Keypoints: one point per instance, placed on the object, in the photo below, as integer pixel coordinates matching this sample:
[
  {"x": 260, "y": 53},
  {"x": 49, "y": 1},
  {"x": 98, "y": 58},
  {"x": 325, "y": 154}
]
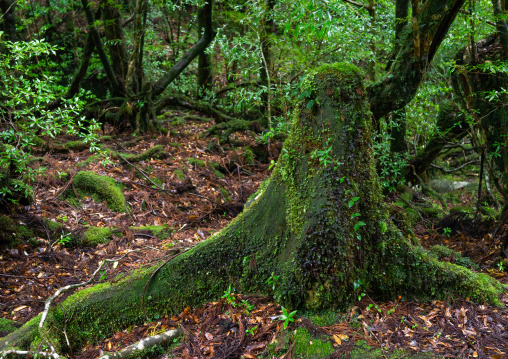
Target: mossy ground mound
[{"x": 101, "y": 188}]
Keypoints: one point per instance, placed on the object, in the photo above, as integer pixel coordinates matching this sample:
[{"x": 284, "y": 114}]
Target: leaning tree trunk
[
  {"x": 318, "y": 225},
  {"x": 417, "y": 46}
]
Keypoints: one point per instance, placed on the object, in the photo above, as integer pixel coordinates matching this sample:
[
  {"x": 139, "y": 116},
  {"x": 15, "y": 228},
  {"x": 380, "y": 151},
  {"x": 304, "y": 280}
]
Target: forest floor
[{"x": 198, "y": 199}]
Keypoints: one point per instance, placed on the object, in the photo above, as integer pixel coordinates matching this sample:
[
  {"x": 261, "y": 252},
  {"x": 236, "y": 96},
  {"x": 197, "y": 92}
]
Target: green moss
[
  {"x": 179, "y": 174},
  {"x": 89, "y": 160},
  {"x": 363, "y": 351},
  {"x": 248, "y": 156},
  {"x": 196, "y": 162},
  {"x": 225, "y": 194},
  {"x": 7, "y": 326},
  {"x": 101, "y": 188},
  {"x": 308, "y": 347},
  {"x": 153, "y": 152},
  {"x": 12, "y": 234},
  {"x": 23, "y": 337},
  {"x": 324, "y": 318},
  {"x": 93, "y": 236},
  {"x": 38, "y": 142},
  {"x": 216, "y": 168},
  {"x": 442, "y": 252},
  {"x": 161, "y": 232},
  {"x": 52, "y": 225}
]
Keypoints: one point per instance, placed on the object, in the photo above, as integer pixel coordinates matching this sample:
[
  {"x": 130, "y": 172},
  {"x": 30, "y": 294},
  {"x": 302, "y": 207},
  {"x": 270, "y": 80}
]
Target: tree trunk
[
  {"x": 197, "y": 49},
  {"x": 451, "y": 126},
  {"x": 317, "y": 226},
  {"x": 430, "y": 24},
  {"x": 474, "y": 86},
  {"x": 113, "y": 30},
  {"x": 204, "y": 61},
  {"x": 116, "y": 86}
]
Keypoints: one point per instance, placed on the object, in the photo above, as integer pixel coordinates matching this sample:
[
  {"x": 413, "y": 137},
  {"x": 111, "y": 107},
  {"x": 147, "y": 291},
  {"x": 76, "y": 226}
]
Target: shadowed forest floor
[{"x": 204, "y": 185}]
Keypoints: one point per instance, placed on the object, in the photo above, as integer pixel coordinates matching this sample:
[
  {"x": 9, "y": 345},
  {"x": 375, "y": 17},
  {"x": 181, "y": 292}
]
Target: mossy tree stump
[{"x": 318, "y": 227}]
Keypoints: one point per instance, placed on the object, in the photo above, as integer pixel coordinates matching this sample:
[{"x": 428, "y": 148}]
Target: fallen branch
[
  {"x": 159, "y": 339},
  {"x": 185, "y": 102},
  {"x": 24, "y": 353},
  {"x": 77, "y": 285},
  {"x": 454, "y": 169}
]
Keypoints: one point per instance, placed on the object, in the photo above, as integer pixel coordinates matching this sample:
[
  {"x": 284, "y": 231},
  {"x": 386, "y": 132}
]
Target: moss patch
[
  {"x": 179, "y": 174},
  {"x": 101, "y": 188},
  {"x": 12, "y": 233},
  {"x": 196, "y": 162},
  {"x": 98, "y": 235},
  {"x": 153, "y": 152},
  {"x": 161, "y": 232},
  {"x": 363, "y": 351},
  {"x": 7, "y": 326},
  {"x": 308, "y": 347}
]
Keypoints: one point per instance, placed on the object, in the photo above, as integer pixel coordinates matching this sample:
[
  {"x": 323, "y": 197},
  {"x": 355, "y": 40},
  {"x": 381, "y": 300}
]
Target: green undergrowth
[{"x": 101, "y": 188}]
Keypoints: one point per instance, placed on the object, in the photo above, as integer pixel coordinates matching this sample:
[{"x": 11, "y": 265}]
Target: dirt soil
[{"x": 197, "y": 201}]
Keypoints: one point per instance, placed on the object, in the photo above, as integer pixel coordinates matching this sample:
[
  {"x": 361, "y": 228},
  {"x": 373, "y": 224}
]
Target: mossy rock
[
  {"x": 308, "y": 347},
  {"x": 7, "y": 326},
  {"x": 101, "y": 188}
]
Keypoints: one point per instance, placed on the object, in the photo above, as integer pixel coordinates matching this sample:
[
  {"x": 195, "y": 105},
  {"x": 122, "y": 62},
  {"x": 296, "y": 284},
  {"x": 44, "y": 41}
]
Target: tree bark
[
  {"x": 451, "y": 126},
  {"x": 318, "y": 224},
  {"x": 117, "y": 88},
  {"x": 473, "y": 85},
  {"x": 431, "y": 21},
  {"x": 197, "y": 49},
  {"x": 113, "y": 30},
  {"x": 204, "y": 61}
]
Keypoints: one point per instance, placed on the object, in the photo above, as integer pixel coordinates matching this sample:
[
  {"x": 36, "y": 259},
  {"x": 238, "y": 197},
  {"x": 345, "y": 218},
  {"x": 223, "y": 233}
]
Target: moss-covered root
[
  {"x": 153, "y": 152},
  {"x": 315, "y": 234},
  {"x": 7, "y": 326},
  {"x": 101, "y": 188}
]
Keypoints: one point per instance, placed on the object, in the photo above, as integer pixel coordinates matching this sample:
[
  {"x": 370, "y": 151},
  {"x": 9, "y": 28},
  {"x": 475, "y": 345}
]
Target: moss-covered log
[
  {"x": 101, "y": 188},
  {"x": 317, "y": 227}
]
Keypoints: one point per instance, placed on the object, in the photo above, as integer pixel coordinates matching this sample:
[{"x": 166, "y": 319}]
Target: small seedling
[
  {"x": 272, "y": 280},
  {"x": 287, "y": 317},
  {"x": 447, "y": 231},
  {"x": 251, "y": 331},
  {"x": 229, "y": 295},
  {"x": 248, "y": 306}
]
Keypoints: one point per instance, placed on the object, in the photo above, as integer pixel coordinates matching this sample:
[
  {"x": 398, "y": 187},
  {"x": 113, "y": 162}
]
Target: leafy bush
[{"x": 27, "y": 87}]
